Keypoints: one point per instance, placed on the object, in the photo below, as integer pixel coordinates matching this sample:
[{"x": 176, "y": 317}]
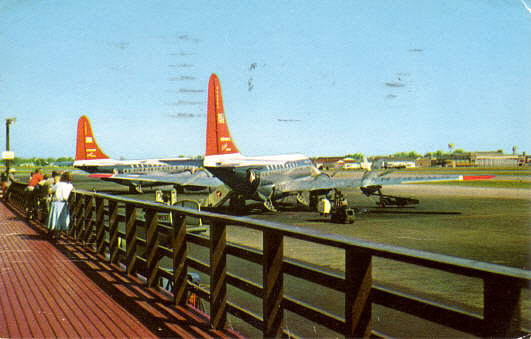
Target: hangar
[{"x": 481, "y": 159}]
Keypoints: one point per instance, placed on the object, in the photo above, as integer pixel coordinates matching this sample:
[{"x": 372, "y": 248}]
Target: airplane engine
[
  {"x": 252, "y": 178},
  {"x": 244, "y": 180}
]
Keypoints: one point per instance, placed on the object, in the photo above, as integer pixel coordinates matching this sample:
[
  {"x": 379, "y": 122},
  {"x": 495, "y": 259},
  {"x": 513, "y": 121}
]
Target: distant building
[
  {"x": 479, "y": 159},
  {"x": 400, "y": 164},
  {"x": 423, "y": 162},
  {"x": 327, "y": 162},
  {"x": 524, "y": 160},
  {"x": 349, "y": 163},
  {"x": 391, "y": 162},
  {"x": 495, "y": 161},
  {"x": 460, "y": 159}
]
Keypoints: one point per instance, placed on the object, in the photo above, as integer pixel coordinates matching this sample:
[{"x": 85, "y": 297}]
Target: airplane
[
  {"x": 269, "y": 178},
  {"x": 179, "y": 172}
]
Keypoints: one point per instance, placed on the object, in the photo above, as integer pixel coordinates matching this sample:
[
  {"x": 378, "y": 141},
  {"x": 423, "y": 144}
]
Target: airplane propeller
[
  {"x": 268, "y": 202},
  {"x": 369, "y": 176}
]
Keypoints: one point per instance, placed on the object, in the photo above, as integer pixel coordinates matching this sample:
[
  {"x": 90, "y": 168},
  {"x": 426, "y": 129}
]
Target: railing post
[
  {"x": 501, "y": 311},
  {"x": 130, "y": 238},
  {"x": 15, "y": 194},
  {"x": 72, "y": 203},
  {"x": 273, "y": 280},
  {"x": 152, "y": 247},
  {"x": 358, "y": 282},
  {"x": 100, "y": 226},
  {"x": 113, "y": 231},
  {"x": 87, "y": 216},
  {"x": 77, "y": 211},
  {"x": 218, "y": 275},
  {"x": 179, "y": 257}
]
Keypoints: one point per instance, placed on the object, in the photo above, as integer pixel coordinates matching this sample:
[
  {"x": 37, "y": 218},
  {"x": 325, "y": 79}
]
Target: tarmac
[{"x": 484, "y": 224}]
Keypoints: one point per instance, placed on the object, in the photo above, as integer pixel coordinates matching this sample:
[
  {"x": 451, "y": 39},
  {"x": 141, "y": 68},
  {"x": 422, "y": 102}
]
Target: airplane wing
[
  {"x": 324, "y": 182},
  {"x": 320, "y": 182},
  {"x": 373, "y": 178},
  {"x": 197, "y": 180}
]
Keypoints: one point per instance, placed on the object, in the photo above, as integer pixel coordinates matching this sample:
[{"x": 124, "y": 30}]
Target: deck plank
[
  {"x": 32, "y": 297},
  {"x": 61, "y": 290},
  {"x": 68, "y": 307},
  {"x": 44, "y": 294},
  {"x": 41, "y": 295}
]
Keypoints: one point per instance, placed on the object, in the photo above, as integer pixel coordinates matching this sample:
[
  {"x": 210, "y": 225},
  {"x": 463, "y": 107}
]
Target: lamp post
[{"x": 7, "y": 155}]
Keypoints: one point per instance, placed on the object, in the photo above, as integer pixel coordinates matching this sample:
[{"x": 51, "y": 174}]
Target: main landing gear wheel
[
  {"x": 269, "y": 205},
  {"x": 237, "y": 203},
  {"x": 135, "y": 188},
  {"x": 301, "y": 199}
]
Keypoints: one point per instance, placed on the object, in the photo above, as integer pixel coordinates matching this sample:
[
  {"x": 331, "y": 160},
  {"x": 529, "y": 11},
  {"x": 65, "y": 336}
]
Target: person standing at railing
[
  {"x": 11, "y": 177},
  {"x": 9, "y": 180},
  {"x": 46, "y": 188},
  {"x": 43, "y": 193},
  {"x": 4, "y": 181},
  {"x": 59, "y": 218},
  {"x": 36, "y": 177}
]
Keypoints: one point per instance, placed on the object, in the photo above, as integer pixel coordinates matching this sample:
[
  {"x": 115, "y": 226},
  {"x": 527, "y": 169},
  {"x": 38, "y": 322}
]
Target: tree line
[
  {"x": 40, "y": 161},
  {"x": 410, "y": 155}
]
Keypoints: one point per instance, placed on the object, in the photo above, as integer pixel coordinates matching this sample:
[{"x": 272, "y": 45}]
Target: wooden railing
[{"x": 143, "y": 242}]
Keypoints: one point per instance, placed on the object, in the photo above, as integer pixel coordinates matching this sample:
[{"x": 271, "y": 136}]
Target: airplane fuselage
[
  {"x": 259, "y": 180},
  {"x": 155, "y": 166}
]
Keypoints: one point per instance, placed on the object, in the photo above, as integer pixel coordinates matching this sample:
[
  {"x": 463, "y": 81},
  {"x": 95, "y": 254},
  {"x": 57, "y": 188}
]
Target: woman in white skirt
[{"x": 59, "y": 218}]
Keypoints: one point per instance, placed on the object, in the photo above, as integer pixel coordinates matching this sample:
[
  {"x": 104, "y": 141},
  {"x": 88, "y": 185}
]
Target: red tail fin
[
  {"x": 218, "y": 140},
  {"x": 86, "y": 146}
]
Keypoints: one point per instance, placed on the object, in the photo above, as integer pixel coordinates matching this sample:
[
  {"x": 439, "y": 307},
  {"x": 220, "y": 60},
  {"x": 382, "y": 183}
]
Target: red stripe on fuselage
[
  {"x": 477, "y": 177},
  {"x": 100, "y": 175}
]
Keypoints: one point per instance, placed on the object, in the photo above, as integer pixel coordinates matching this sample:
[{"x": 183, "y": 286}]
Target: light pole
[
  {"x": 7, "y": 155},
  {"x": 9, "y": 121}
]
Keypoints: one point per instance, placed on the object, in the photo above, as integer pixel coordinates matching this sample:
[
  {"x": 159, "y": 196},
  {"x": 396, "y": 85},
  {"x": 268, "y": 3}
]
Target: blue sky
[{"x": 312, "y": 77}]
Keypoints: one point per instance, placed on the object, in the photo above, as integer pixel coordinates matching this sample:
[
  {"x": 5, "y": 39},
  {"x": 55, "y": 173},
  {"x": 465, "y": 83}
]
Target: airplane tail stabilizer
[
  {"x": 219, "y": 140},
  {"x": 86, "y": 146}
]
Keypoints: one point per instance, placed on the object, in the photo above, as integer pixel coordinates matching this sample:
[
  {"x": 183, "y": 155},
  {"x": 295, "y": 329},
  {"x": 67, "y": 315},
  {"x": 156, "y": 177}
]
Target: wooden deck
[{"x": 55, "y": 290}]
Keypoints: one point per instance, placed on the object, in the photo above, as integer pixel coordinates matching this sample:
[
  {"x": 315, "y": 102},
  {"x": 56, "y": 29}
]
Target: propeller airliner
[
  {"x": 269, "y": 178},
  {"x": 179, "y": 172}
]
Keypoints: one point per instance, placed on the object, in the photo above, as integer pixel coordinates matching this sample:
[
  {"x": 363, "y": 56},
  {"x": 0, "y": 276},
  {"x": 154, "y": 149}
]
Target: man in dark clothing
[{"x": 30, "y": 197}]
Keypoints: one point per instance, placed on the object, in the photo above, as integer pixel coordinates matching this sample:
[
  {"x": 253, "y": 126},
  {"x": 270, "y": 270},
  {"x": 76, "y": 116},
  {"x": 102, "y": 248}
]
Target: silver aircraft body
[{"x": 269, "y": 178}]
